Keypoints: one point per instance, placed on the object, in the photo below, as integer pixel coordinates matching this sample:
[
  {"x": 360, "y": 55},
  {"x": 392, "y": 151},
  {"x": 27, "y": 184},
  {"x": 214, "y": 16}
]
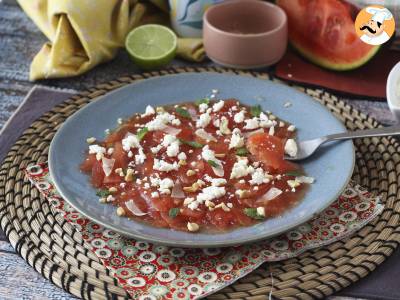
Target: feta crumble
[
  {"x": 241, "y": 168},
  {"x": 259, "y": 177},
  {"x": 163, "y": 166},
  {"x": 237, "y": 140},
  {"x": 239, "y": 117},
  {"x": 218, "y": 106},
  {"x": 149, "y": 111},
  {"x": 203, "y": 121},
  {"x": 291, "y": 147}
]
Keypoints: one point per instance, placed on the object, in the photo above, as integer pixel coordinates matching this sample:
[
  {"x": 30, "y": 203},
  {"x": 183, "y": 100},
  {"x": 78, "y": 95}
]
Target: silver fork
[{"x": 306, "y": 148}]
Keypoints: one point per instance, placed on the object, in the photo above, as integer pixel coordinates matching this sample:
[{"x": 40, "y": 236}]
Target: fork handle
[{"x": 383, "y": 131}]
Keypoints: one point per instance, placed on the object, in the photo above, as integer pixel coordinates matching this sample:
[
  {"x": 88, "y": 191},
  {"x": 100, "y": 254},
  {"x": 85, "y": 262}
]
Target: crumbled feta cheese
[
  {"x": 168, "y": 140},
  {"x": 156, "y": 149},
  {"x": 193, "y": 205},
  {"x": 305, "y": 179},
  {"x": 293, "y": 183},
  {"x": 140, "y": 157},
  {"x": 237, "y": 140},
  {"x": 203, "y": 107},
  {"x": 251, "y": 123},
  {"x": 271, "y": 130},
  {"x": 291, "y": 128},
  {"x": 209, "y": 193},
  {"x": 218, "y": 106},
  {"x": 110, "y": 151},
  {"x": 261, "y": 211},
  {"x": 161, "y": 165},
  {"x": 155, "y": 195},
  {"x": 90, "y": 140},
  {"x": 130, "y": 154},
  {"x": 160, "y": 121},
  {"x": 96, "y": 149},
  {"x": 188, "y": 200},
  {"x": 130, "y": 141},
  {"x": 182, "y": 156},
  {"x": 291, "y": 147},
  {"x": 259, "y": 177},
  {"x": 241, "y": 168},
  {"x": 165, "y": 186},
  {"x": 173, "y": 149},
  {"x": 217, "y": 181},
  {"x": 208, "y": 154},
  {"x": 239, "y": 117},
  {"x": 203, "y": 121},
  {"x": 149, "y": 111},
  {"x": 281, "y": 124},
  {"x": 223, "y": 126},
  {"x": 176, "y": 122}
]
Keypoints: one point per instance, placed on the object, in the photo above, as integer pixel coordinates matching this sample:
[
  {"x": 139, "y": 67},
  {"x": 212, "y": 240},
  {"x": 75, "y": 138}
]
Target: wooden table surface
[{"x": 19, "y": 42}]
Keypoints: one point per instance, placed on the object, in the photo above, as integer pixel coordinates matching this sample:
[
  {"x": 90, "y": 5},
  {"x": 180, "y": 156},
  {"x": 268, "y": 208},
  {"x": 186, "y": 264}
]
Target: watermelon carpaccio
[
  {"x": 205, "y": 166},
  {"x": 323, "y": 31}
]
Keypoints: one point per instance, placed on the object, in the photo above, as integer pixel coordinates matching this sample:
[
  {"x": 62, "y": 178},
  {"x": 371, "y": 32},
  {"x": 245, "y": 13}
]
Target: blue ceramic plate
[{"x": 332, "y": 167}]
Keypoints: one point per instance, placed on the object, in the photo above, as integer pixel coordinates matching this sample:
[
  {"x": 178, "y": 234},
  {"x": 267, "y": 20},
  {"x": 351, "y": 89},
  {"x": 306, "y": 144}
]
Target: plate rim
[{"x": 183, "y": 243}]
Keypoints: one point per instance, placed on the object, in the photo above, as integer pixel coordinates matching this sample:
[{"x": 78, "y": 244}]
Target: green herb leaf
[
  {"x": 141, "y": 133},
  {"x": 294, "y": 173},
  {"x": 255, "y": 110},
  {"x": 213, "y": 163},
  {"x": 173, "y": 212},
  {"x": 102, "y": 193},
  {"x": 183, "y": 112},
  {"x": 201, "y": 101},
  {"x": 191, "y": 143},
  {"x": 252, "y": 213},
  {"x": 242, "y": 151}
]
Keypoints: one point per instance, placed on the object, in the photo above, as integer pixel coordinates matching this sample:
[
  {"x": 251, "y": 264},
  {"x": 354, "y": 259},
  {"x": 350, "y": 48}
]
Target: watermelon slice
[{"x": 323, "y": 32}]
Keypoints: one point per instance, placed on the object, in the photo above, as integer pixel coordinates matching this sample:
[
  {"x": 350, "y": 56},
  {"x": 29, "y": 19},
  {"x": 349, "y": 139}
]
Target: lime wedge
[{"x": 151, "y": 46}]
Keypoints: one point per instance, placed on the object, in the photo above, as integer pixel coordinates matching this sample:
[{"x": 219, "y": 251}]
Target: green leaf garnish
[
  {"x": 191, "y": 143},
  {"x": 252, "y": 213},
  {"x": 294, "y": 173},
  {"x": 141, "y": 133},
  {"x": 201, "y": 101},
  {"x": 242, "y": 151},
  {"x": 183, "y": 112},
  {"x": 173, "y": 212},
  {"x": 255, "y": 110},
  {"x": 213, "y": 163},
  {"x": 102, "y": 193}
]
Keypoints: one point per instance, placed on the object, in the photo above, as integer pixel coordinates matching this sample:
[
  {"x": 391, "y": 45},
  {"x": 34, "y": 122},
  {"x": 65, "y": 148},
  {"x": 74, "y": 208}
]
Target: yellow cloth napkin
[{"x": 85, "y": 33}]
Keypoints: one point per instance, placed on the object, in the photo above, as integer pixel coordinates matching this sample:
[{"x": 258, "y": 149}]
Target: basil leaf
[
  {"x": 213, "y": 163},
  {"x": 102, "y": 193},
  {"x": 252, "y": 213},
  {"x": 191, "y": 143},
  {"x": 173, "y": 212},
  {"x": 183, "y": 112},
  {"x": 141, "y": 133},
  {"x": 201, "y": 101},
  {"x": 294, "y": 173},
  {"x": 242, "y": 151},
  {"x": 255, "y": 110}
]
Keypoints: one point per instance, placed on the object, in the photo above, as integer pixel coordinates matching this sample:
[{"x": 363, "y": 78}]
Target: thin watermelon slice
[{"x": 323, "y": 32}]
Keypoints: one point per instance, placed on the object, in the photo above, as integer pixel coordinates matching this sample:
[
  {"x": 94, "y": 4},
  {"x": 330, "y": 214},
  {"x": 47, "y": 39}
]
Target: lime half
[{"x": 151, "y": 46}]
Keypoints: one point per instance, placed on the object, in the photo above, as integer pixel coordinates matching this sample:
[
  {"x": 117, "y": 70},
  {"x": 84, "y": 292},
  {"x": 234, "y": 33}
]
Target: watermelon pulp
[{"x": 323, "y": 32}]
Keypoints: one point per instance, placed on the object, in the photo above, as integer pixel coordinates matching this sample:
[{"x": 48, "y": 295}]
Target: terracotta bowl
[{"x": 245, "y": 33}]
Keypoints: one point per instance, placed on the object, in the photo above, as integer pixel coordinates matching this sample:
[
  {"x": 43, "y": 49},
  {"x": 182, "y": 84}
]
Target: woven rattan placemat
[{"x": 50, "y": 245}]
